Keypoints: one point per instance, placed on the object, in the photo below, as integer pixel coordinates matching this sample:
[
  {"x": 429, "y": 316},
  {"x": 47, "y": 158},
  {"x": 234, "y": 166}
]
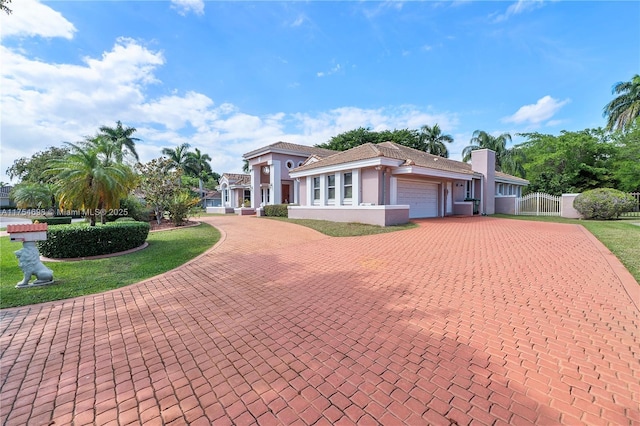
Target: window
[
  {"x": 316, "y": 188},
  {"x": 247, "y": 194},
  {"x": 468, "y": 189},
  {"x": 289, "y": 164},
  {"x": 347, "y": 185},
  {"x": 331, "y": 187}
]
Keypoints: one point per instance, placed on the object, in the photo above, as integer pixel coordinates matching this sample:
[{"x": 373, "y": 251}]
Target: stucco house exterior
[
  {"x": 234, "y": 189},
  {"x": 383, "y": 184},
  {"x": 270, "y": 168}
]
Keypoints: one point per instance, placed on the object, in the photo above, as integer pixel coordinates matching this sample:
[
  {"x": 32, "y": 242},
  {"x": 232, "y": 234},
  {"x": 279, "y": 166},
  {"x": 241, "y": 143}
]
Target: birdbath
[{"x": 28, "y": 256}]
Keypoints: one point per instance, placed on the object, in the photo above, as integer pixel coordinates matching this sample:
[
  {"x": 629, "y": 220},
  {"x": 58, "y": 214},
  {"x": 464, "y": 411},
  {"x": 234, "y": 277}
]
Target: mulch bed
[{"x": 166, "y": 224}]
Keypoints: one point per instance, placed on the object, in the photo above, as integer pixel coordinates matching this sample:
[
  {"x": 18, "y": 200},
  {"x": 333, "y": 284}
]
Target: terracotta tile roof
[
  {"x": 237, "y": 178},
  {"x": 405, "y": 155},
  {"x": 286, "y": 146},
  {"x": 500, "y": 175},
  {"x": 30, "y": 227}
]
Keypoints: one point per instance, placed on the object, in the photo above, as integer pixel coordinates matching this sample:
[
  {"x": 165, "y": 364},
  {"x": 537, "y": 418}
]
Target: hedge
[
  {"x": 603, "y": 203},
  {"x": 69, "y": 241},
  {"x": 277, "y": 210},
  {"x": 60, "y": 220}
]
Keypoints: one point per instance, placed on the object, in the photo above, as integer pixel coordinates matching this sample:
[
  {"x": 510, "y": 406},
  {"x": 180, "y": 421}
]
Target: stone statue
[{"x": 29, "y": 262}]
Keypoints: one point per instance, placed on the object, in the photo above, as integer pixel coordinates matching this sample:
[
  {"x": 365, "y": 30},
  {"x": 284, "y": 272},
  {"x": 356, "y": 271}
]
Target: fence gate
[
  {"x": 636, "y": 211},
  {"x": 538, "y": 204}
]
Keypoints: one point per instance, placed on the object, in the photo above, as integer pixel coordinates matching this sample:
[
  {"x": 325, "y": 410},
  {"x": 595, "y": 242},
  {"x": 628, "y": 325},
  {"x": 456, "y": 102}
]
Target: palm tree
[
  {"x": 106, "y": 149},
  {"x": 624, "y": 109},
  {"x": 198, "y": 166},
  {"x": 481, "y": 139},
  {"x": 121, "y": 137},
  {"x": 34, "y": 195},
  {"x": 86, "y": 181},
  {"x": 433, "y": 141},
  {"x": 178, "y": 156},
  {"x": 508, "y": 160}
]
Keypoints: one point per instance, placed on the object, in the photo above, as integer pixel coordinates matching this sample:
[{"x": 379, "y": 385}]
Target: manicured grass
[
  {"x": 166, "y": 250},
  {"x": 622, "y": 237},
  {"x": 340, "y": 229}
]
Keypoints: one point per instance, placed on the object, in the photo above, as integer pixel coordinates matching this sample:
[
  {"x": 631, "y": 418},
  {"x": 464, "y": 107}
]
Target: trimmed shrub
[
  {"x": 604, "y": 203},
  {"x": 60, "y": 220},
  {"x": 81, "y": 240},
  {"x": 134, "y": 208},
  {"x": 277, "y": 210},
  {"x": 125, "y": 219}
]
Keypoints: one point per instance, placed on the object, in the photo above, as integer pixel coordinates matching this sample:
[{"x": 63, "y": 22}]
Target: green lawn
[
  {"x": 622, "y": 237},
  {"x": 166, "y": 250},
  {"x": 341, "y": 229}
]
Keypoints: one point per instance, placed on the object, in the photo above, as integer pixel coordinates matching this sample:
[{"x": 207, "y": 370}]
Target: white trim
[
  {"x": 393, "y": 190},
  {"x": 358, "y": 207},
  {"x": 424, "y": 171},
  {"x": 271, "y": 150},
  {"x": 370, "y": 162},
  {"x": 515, "y": 181}
]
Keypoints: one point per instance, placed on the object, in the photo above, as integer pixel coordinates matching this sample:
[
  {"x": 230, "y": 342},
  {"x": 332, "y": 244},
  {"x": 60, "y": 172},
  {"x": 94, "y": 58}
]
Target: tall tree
[
  {"x": 121, "y": 137},
  {"x": 626, "y": 159},
  {"x": 434, "y": 141},
  {"x": 159, "y": 184},
  {"x": 4, "y": 7},
  {"x": 361, "y": 135},
  {"x": 199, "y": 167},
  {"x": 33, "y": 169},
  {"x": 508, "y": 160},
  {"x": 85, "y": 181},
  {"x": 623, "y": 110},
  {"x": 178, "y": 156},
  {"x": 569, "y": 162}
]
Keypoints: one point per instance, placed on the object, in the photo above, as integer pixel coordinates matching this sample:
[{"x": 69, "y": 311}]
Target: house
[
  {"x": 234, "y": 189},
  {"x": 269, "y": 171},
  {"x": 382, "y": 184},
  {"x": 5, "y": 200},
  {"x": 212, "y": 199}
]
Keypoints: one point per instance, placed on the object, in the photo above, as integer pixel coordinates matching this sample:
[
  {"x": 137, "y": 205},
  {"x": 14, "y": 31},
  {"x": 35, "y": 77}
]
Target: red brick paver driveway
[{"x": 460, "y": 321}]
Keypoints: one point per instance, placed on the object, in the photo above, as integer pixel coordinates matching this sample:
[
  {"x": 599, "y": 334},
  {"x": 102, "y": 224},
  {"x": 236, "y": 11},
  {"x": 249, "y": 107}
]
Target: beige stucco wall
[
  {"x": 484, "y": 161},
  {"x": 566, "y": 207},
  {"x": 369, "y": 179},
  {"x": 302, "y": 193},
  {"x": 506, "y": 204},
  {"x": 464, "y": 208},
  {"x": 373, "y": 215}
]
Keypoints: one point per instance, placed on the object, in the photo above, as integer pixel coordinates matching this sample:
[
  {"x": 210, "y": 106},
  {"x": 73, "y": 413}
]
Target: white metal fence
[
  {"x": 636, "y": 210},
  {"x": 538, "y": 204}
]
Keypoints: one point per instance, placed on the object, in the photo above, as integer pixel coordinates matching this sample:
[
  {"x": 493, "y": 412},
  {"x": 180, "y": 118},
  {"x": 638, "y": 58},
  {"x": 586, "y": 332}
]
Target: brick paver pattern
[{"x": 460, "y": 321}]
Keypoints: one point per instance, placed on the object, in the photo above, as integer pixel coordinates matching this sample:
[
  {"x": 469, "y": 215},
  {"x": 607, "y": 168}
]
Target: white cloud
[
  {"x": 30, "y": 18},
  {"x": 518, "y": 7},
  {"x": 45, "y": 104},
  {"x": 298, "y": 21},
  {"x": 185, "y": 6},
  {"x": 336, "y": 68},
  {"x": 545, "y": 108}
]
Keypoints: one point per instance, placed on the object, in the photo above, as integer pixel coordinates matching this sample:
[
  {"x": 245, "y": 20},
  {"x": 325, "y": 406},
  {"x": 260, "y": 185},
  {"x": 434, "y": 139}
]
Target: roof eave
[{"x": 358, "y": 164}]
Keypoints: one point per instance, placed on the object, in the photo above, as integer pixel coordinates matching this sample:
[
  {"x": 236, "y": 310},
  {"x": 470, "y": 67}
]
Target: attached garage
[{"x": 422, "y": 197}]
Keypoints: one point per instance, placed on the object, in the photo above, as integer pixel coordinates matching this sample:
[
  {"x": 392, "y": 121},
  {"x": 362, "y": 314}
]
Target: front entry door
[{"x": 285, "y": 193}]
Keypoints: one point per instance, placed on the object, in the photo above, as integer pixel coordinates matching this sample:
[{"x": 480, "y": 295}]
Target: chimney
[{"x": 484, "y": 161}]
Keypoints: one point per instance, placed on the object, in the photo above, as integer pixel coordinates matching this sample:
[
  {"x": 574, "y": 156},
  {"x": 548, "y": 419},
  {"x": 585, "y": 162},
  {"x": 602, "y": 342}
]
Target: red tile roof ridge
[{"x": 30, "y": 227}]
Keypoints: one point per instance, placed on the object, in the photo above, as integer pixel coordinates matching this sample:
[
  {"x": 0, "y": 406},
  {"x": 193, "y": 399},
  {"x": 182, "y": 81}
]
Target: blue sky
[{"x": 229, "y": 77}]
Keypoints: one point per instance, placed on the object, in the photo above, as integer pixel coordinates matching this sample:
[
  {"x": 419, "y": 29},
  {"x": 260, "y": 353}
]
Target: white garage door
[{"x": 422, "y": 197}]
